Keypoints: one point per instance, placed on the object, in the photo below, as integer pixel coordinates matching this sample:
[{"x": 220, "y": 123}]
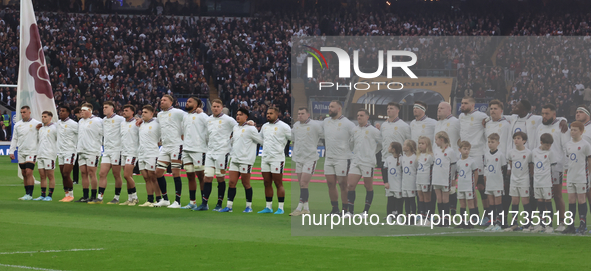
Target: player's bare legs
[{"x": 66, "y": 171}]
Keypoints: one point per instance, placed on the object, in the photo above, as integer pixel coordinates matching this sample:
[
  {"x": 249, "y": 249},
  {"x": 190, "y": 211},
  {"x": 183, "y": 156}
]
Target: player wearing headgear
[
  {"x": 583, "y": 115},
  {"x": 421, "y": 125},
  {"x": 90, "y": 139}
]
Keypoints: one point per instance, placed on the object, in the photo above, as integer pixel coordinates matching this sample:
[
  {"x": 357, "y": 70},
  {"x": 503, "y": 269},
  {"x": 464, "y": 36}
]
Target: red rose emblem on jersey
[
  {"x": 466, "y": 164},
  {"x": 425, "y": 159},
  {"x": 411, "y": 162},
  {"x": 524, "y": 157},
  {"x": 496, "y": 159},
  {"x": 545, "y": 156},
  {"x": 445, "y": 154},
  {"x": 579, "y": 148},
  {"x": 525, "y": 191}
]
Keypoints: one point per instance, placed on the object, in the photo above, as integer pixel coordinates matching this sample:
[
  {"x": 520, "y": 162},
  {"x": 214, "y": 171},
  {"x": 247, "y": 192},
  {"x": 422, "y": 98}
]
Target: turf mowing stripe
[
  {"x": 28, "y": 267},
  {"x": 49, "y": 251}
]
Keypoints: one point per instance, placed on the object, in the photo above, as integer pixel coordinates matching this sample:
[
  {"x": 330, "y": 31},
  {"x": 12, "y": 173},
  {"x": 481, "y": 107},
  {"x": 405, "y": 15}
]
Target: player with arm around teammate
[{"x": 25, "y": 138}]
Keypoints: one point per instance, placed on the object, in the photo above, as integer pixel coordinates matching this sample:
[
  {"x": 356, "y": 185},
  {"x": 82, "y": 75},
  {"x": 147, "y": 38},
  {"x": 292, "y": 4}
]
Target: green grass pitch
[{"x": 134, "y": 238}]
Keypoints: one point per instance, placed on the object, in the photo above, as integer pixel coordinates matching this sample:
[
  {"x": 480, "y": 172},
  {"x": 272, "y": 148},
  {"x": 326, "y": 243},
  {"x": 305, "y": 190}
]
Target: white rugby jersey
[
  {"x": 471, "y": 130},
  {"x": 465, "y": 169},
  {"x": 129, "y": 138},
  {"x": 24, "y": 137},
  {"x": 47, "y": 142},
  {"x": 244, "y": 144},
  {"x": 367, "y": 141},
  {"x": 305, "y": 136},
  {"x": 112, "y": 133},
  {"x": 149, "y": 136},
  {"x": 493, "y": 164},
  {"x": 559, "y": 145},
  {"x": 542, "y": 167},
  {"x": 577, "y": 154},
  {"x": 275, "y": 136},
  {"x": 195, "y": 132},
  {"x": 171, "y": 127},
  {"x": 337, "y": 135},
  {"x": 450, "y": 125},
  {"x": 67, "y": 136},
  {"x": 394, "y": 173},
  {"x": 587, "y": 132},
  {"x": 425, "y": 126},
  {"x": 442, "y": 165},
  {"x": 219, "y": 130},
  {"x": 528, "y": 124},
  {"x": 90, "y": 136},
  {"x": 393, "y": 131},
  {"x": 503, "y": 128},
  {"x": 520, "y": 161},
  {"x": 409, "y": 172},
  {"x": 424, "y": 168}
]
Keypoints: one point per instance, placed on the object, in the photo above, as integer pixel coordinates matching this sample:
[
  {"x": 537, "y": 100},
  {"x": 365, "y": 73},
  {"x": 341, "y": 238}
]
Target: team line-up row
[{"x": 204, "y": 144}]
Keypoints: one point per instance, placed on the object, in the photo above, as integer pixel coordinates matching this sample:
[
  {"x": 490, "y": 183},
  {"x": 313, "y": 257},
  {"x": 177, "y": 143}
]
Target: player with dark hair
[{"x": 67, "y": 139}]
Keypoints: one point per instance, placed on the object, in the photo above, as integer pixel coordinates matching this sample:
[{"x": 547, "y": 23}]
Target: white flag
[{"x": 34, "y": 87}]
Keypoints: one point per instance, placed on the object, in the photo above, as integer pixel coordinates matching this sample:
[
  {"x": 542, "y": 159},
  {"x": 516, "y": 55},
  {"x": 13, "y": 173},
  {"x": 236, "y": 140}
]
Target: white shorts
[
  {"x": 27, "y": 158},
  {"x": 479, "y": 163},
  {"x": 66, "y": 158},
  {"x": 543, "y": 193},
  {"x": 396, "y": 194},
  {"x": 336, "y": 167},
  {"x": 364, "y": 171},
  {"x": 167, "y": 154},
  {"x": 148, "y": 164},
  {"x": 275, "y": 167},
  {"x": 195, "y": 158},
  {"x": 556, "y": 176},
  {"x": 113, "y": 158},
  {"x": 129, "y": 160},
  {"x": 443, "y": 188},
  {"x": 494, "y": 193},
  {"x": 424, "y": 188},
  {"x": 218, "y": 161},
  {"x": 465, "y": 195},
  {"x": 88, "y": 160},
  {"x": 577, "y": 188},
  {"x": 47, "y": 164},
  {"x": 522, "y": 192},
  {"x": 242, "y": 168},
  {"x": 308, "y": 167},
  {"x": 408, "y": 193}
]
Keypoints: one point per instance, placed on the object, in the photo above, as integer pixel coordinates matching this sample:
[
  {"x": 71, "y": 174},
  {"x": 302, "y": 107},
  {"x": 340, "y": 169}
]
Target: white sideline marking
[
  {"x": 50, "y": 251},
  {"x": 28, "y": 267}
]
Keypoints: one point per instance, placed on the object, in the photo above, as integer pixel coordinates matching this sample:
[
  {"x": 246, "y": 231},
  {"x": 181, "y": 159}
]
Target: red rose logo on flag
[{"x": 38, "y": 69}]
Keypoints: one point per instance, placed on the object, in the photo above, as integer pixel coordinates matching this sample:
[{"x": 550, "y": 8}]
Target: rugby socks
[
  {"x": 453, "y": 202},
  {"x": 399, "y": 206},
  {"x": 413, "y": 207},
  {"x": 462, "y": 212},
  {"x": 421, "y": 210},
  {"x": 304, "y": 195},
  {"x": 368, "y": 200},
  {"x": 231, "y": 195},
  {"x": 335, "y": 206},
  {"x": 117, "y": 193},
  {"x": 269, "y": 201},
  {"x": 583, "y": 215},
  {"x": 515, "y": 208},
  {"x": 158, "y": 198},
  {"x": 281, "y": 201},
  {"x": 29, "y": 189},
  {"x": 101, "y": 193},
  {"x": 50, "y": 192},
  {"x": 93, "y": 193},
  {"x": 43, "y": 191},
  {"x": 162, "y": 185},
  {"x": 248, "y": 192},
  {"x": 178, "y": 188},
  {"x": 221, "y": 192},
  {"x": 474, "y": 211},
  {"x": 133, "y": 193},
  {"x": 527, "y": 210},
  {"x": 549, "y": 208},
  {"x": 193, "y": 196},
  {"x": 351, "y": 200},
  {"x": 151, "y": 198},
  {"x": 206, "y": 192},
  {"x": 85, "y": 192},
  {"x": 391, "y": 205}
]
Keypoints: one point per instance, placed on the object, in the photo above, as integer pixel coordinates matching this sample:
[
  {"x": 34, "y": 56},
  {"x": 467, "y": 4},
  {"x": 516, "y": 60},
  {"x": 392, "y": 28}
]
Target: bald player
[
  {"x": 337, "y": 133},
  {"x": 25, "y": 138}
]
